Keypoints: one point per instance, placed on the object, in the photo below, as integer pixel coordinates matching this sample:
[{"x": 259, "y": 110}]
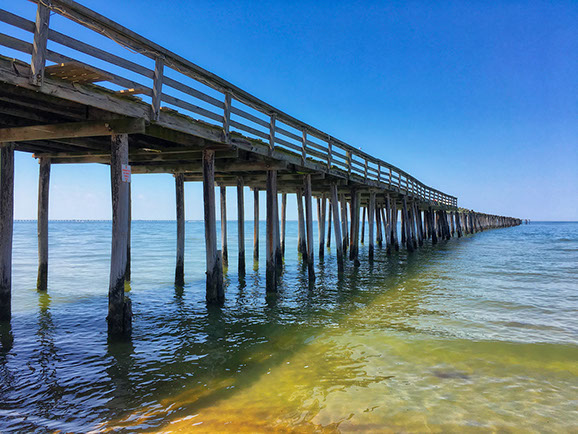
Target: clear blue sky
[{"x": 478, "y": 99}]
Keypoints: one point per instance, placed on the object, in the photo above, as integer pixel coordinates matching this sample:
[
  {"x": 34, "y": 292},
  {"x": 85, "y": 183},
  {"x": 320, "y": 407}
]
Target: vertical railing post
[
  {"x": 227, "y": 117},
  {"x": 272, "y": 134},
  {"x": 157, "y": 88},
  {"x": 365, "y": 170},
  {"x": 38, "y": 61},
  {"x": 348, "y": 155},
  {"x": 304, "y": 147},
  {"x": 379, "y": 172},
  {"x": 329, "y": 152}
]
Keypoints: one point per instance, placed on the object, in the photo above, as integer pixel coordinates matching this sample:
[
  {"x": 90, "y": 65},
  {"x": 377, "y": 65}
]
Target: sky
[{"x": 477, "y": 99}]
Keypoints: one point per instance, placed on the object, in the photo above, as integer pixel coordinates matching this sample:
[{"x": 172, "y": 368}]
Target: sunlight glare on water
[{"x": 474, "y": 334}]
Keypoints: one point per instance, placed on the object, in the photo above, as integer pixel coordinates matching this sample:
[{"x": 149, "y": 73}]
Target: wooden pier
[{"x": 143, "y": 109}]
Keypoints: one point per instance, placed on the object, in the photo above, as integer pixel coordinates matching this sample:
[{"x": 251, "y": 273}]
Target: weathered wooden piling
[
  {"x": 344, "y": 223},
  {"x": 215, "y": 293},
  {"x": 432, "y": 227},
  {"x": 337, "y": 227},
  {"x": 180, "y": 205},
  {"x": 241, "y": 224},
  {"x": 458, "y": 224},
  {"x": 128, "y": 235},
  {"x": 363, "y": 211},
  {"x": 329, "y": 217},
  {"x": 309, "y": 227},
  {"x": 406, "y": 226},
  {"x": 283, "y": 222},
  {"x": 42, "y": 223},
  {"x": 379, "y": 235},
  {"x": 321, "y": 214},
  {"x": 393, "y": 225},
  {"x": 224, "y": 247},
  {"x": 370, "y": 216},
  {"x": 119, "y": 307},
  {"x": 301, "y": 240},
  {"x": 6, "y": 228},
  {"x": 354, "y": 237},
  {"x": 271, "y": 265},
  {"x": 256, "y": 224}
]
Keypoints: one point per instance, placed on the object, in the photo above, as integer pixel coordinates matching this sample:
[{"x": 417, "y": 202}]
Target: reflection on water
[{"x": 475, "y": 334}]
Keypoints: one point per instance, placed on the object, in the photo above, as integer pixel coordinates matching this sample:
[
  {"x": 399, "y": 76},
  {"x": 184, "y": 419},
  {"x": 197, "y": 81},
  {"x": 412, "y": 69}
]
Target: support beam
[
  {"x": 271, "y": 268},
  {"x": 6, "y": 228},
  {"x": 344, "y": 223},
  {"x": 370, "y": 216},
  {"x": 256, "y": 225},
  {"x": 241, "y": 224},
  {"x": 329, "y": 216},
  {"x": 42, "y": 222},
  {"x": 363, "y": 211},
  {"x": 119, "y": 307},
  {"x": 180, "y": 205},
  {"x": 309, "y": 223},
  {"x": 224, "y": 248},
  {"x": 215, "y": 290},
  {"x": 393, "y": 225},
  {"x": 406, "y": 226},
  {"x": 337, "y": 227},
  {"x": 72, "y": 129}
]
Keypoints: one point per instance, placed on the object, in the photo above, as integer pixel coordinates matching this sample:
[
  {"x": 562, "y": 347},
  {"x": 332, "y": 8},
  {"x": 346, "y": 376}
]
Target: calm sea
[{"x": 476, "y": 334}]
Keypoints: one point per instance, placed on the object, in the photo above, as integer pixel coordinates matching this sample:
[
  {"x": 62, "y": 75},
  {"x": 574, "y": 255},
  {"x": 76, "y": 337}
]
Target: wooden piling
[
  {"x": 337, "y": 227},
  {"x": 241, "y": 224},
  {"x": 354, "y": 236},
  {"x": 364, "y": 209},
  {"x": 406, "y": 226},
  {"x": 379, "y": 236},
  {"x": 370, "y": 215},
  {"x": 6, "y": 228},
  {"x": 321, "y": 214},
  {"x": 271, "y": 266},
  {"x": 180, "y": 204},
  {"x": 344, "y": 223},
  {"x": 128, "y": 235},
  {"x": 42, "y": 222},
  {"x": 283, "y": 222},
  {"x": 329, "y": 218},
  {"x": 301, "y": 240},
  {"x": 309, "y": 223},
  {"x": 255, "y": 225},
  {"x": 434, "y": 238},
  {"x": 393, "y": 225},
  {"x": 119, "y": 308},
  {"x": 419, "y": 222},
  {"x": 277, "y": 232},
  {"x": 215, "y": 293},
  {"x": 224, "y": 247}
]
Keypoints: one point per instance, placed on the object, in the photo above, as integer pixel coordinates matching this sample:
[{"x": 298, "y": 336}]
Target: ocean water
[{"x": 478, "y": 334}]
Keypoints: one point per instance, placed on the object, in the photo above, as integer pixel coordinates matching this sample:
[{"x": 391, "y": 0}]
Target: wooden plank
[
  {"x": 309, "y": 226},
  {"x": 337, "y": 227},
  {"x": 224, "y": 247},
  {"x": 215, "y": 293},
  {"x": 6, "y": 229},
  {"x": 77, "y": 72},
  {"x": 38, "y": 62},
  {"x": 180, "y": 214},
  {"x": 272, "y": 134},
  {"x": 72, "y": 130},
  {"x": 227, "y": 117},
  {"x": 241, "y": 224},
  {"x": 42, "y": 224},
  {"x": 119, "y": 309},
  {"x": 256, "y": 225}
]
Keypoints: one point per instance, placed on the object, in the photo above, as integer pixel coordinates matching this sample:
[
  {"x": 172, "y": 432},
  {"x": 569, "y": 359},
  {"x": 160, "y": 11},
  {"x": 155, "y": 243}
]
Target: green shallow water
[{"x": 478, "y": 334}]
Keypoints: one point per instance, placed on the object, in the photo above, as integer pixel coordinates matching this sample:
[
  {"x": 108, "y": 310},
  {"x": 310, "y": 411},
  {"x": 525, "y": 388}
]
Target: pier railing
[{"x": 131, "y": 65}]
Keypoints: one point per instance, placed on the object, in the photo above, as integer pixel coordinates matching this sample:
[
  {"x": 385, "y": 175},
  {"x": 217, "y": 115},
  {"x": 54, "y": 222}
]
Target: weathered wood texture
[
  {"x": 42, "y": 224},
  {"x": 256, "y": 225},
  {"x": 370, "y": 216},
  {"x": 241, "y": 224},
  {"x": 337, "y": 227},
  {"x": 309, "y": 226},
  {"x": 180, "y": 214},
  {"x": 6, "y": 228},
  {"x": 301, "y": 239},
  {"x": 215, "y": 293},
  {"x": 224, "y": 247},
  {"x": 119, "y": 307},
  {"x": 271, "y": 246},
  {"x": 283, "y": 222}
]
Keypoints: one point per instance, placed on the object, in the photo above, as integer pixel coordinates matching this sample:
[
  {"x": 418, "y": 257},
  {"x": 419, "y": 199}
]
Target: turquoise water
[{"x": 475, "y": 334}]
